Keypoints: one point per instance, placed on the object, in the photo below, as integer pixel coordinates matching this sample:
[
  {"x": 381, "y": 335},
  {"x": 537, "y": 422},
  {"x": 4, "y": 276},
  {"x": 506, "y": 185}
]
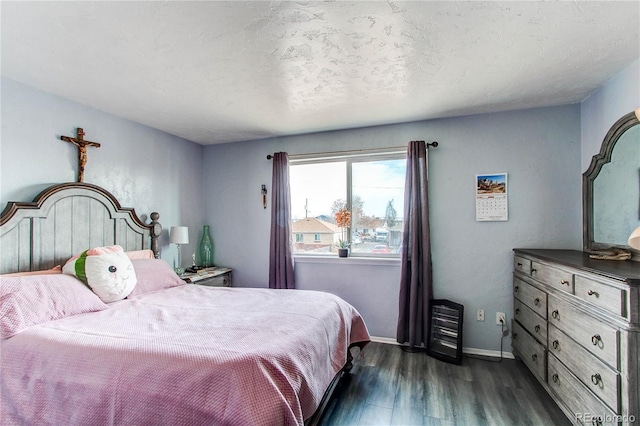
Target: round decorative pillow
[{"x": 107, "y": 271}]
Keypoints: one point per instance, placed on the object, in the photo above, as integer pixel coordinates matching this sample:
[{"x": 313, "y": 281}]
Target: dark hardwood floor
[{"x": 389, "y": 386}]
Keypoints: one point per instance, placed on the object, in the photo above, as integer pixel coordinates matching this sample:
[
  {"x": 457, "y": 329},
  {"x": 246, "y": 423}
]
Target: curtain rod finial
[
  {"x": 269, "y": 157},
  {"x": 433, "y": 144}
]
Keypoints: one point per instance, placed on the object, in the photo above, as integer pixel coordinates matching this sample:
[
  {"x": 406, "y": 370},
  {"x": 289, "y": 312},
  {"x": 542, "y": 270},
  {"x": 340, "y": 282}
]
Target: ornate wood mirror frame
[{"x": 615, "y": 133}]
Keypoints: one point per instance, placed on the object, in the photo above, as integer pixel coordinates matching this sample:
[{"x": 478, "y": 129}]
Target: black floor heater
[{"x": 444, "y": 340}]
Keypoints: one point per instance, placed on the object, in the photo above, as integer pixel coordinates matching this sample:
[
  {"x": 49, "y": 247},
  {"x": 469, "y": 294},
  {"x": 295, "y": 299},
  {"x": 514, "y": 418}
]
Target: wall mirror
[{"x": 611, "y": 188}]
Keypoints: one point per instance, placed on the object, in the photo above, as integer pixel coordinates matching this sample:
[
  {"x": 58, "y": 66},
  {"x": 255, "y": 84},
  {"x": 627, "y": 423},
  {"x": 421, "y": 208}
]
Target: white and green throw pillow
[{"x": 107, "y": 271}]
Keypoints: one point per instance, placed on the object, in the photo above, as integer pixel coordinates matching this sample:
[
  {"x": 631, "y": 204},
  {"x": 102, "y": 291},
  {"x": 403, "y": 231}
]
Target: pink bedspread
[{"x": 191, "y": 355}]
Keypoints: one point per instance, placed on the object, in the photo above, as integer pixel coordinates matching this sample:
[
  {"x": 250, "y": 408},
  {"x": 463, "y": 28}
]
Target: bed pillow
[
  {"x": 140, "y": 254},
  {"x": 54, "y": 270},
  {"x": 37, "y": 299},
  {"x": 153, "y": 274},
  {"x": 107, "y": 271}
]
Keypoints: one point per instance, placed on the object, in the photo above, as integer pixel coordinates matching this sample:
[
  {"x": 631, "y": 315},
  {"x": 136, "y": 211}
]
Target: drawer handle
[
  {"x": 596, "y": 379},
  {"x": 537, "y": 301},
  {"x": 555, "y": 344},
  {"x": 514, "y": 336},
  {"x": 555, "y": 314},
  {"x": 516, "y": 288},
  {"x": 534, "y": 270},
  {"x": 593, "y": 293},
  {"x": 537, "y": 329},
  {"x": 564, "y": 282},
  {"x": 555, "y": 378},
  {"x": 597, "y": 341},
  {"x": 534, "y": 357},
  {"x": 520, "y": 264},
  {"x": 517, "y": 311}
]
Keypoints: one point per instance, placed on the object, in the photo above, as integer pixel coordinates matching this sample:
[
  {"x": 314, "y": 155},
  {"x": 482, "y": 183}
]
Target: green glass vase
[{"x": 206, "y": 248}]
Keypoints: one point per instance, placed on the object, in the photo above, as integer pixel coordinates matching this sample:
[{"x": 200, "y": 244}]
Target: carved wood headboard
[{"x": 63, "y": 220}]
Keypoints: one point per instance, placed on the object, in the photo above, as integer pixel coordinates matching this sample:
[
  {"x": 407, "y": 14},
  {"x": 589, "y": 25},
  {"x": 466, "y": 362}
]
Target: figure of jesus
[{"x": 82, "y": 150}]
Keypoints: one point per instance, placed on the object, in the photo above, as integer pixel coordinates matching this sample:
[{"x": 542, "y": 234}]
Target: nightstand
[{"x": 213, "y": 277}]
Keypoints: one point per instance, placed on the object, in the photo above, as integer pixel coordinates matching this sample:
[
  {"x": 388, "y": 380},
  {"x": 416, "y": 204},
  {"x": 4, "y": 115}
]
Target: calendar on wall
[{"x": 492, "y": 203}]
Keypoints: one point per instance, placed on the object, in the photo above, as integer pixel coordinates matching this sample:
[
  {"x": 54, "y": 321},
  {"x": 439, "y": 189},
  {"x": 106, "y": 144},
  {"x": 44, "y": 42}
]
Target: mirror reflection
[{"x": 616, "y": 192}]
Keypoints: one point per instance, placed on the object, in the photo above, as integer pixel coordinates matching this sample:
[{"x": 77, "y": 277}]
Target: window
[{"x": 370, "y": 185}]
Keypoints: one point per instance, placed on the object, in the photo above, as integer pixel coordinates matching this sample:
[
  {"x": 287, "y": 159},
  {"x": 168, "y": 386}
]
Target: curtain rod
[{"x": 432, "y": 144}]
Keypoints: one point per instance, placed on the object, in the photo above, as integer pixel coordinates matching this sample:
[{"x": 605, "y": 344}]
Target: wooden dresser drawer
[
  {"x": 219, "y": 281},
  {"x": 555, "y": 277},
  {"x": 533, "y": 354},
  {"x": 531, "y": 296},
  {"x": 605, "y": 296},
  {"x": 594, "y": 374},
  {"x": 532, "y": 322},
  {"x": 584, "y": 404},
  {"x": 522, "y": 265},
  {"x": 597, "y": 337}
]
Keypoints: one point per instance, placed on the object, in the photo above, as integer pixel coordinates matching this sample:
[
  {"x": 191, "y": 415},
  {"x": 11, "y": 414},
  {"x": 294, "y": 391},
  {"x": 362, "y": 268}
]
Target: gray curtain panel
[
  {"x": 416, "y": 275},
  {"x": 281, "y": 252}
]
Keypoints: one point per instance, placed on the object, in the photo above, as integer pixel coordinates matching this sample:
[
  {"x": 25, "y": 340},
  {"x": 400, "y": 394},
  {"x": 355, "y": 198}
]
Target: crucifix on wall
[{"x": 82, "y": 150}]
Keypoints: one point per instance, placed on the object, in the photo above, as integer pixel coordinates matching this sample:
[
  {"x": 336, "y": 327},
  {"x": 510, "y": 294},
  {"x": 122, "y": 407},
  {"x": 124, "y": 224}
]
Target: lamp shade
[
  {"x": 179, "y": 235},
  {"x": 634, "y": 239}
]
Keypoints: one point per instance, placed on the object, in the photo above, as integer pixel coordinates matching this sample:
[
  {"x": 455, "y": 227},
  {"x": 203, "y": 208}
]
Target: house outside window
[{"x": 370, "y": 183}]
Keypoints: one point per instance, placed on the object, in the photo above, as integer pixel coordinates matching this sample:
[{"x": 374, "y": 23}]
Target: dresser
[{"x": 577, "y": 328}]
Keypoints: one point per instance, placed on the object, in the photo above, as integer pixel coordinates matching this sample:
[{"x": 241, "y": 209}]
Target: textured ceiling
[{"x": 214, "y": 72}]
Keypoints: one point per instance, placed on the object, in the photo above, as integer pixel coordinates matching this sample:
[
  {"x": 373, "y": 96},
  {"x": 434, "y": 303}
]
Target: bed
[{"x": 169, "y": 353}]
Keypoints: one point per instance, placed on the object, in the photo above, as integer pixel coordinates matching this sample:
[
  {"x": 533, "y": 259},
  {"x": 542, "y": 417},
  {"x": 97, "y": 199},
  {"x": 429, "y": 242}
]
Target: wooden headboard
[{"x": 63, "y": 220}]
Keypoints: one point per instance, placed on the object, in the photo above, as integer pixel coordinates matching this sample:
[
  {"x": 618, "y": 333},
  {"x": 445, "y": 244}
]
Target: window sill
[{"x": 332, "y": 260}]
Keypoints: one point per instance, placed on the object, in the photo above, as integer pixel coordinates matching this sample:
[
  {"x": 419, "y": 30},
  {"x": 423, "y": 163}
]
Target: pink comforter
[{"x": 186, "y": 355}]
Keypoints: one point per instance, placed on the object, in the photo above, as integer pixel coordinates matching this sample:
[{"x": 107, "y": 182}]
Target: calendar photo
[{"x": 491, "y": 197}]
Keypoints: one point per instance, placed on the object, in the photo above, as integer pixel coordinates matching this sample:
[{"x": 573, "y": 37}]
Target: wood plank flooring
[{"x": 389, "y": 386}]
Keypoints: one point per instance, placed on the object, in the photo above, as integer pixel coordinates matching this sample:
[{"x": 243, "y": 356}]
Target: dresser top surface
[{"x": 624, "y": 270}]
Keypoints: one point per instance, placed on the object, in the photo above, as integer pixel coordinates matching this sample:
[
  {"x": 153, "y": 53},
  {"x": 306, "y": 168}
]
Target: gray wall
[
  {"x": 143, "y": 167},
  {"x": 617, "y": 97},
  {"x": 538, "y": 148}
]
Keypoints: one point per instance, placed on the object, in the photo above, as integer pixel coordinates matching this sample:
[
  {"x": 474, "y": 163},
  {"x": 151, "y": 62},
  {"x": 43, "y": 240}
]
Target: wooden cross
[{"x": 82, "y": 150}]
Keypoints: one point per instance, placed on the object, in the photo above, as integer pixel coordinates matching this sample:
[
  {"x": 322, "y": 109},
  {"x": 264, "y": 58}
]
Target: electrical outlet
[
  {"x": 501, "y": 318},
  {"x": 480, "y": 315}
]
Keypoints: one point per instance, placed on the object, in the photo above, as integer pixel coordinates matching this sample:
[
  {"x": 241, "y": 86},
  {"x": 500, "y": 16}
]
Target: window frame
[{"x": 350, "y": 157}]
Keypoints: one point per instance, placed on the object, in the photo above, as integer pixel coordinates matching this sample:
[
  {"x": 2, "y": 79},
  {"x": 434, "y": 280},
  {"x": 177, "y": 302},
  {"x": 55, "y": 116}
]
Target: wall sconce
[{"x": 179, "y": 235}]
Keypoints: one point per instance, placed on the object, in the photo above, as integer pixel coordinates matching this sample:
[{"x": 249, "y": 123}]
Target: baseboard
[
  {"x": 469, "y": 351},
  {"x": 488, "y": 353},
  {"x": 387, "y": 340}
]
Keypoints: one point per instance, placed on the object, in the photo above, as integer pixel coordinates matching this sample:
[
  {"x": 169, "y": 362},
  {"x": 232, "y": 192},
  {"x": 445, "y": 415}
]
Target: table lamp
[{"x": 179, "y": 235}]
